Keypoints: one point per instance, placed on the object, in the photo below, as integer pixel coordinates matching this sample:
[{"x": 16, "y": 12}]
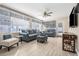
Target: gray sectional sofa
[
  {"x": 51, "y": 32},
  {"x": 28, "y": 35}
]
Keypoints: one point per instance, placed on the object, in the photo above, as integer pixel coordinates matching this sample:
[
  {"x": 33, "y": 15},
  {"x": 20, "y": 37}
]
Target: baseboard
[{"x": 77, "y": 52}]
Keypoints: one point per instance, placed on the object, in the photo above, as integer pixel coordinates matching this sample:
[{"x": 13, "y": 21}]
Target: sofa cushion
[
  {"x": 24, "y": 31},
  {"x": 31, "y": 31}
]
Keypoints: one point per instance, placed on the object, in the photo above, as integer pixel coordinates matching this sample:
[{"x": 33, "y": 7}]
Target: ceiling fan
[{"x": 47, "y": 13}]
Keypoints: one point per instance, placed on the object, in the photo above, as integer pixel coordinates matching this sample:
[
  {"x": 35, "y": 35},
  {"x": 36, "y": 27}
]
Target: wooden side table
[{"x": 20, "y": 37}]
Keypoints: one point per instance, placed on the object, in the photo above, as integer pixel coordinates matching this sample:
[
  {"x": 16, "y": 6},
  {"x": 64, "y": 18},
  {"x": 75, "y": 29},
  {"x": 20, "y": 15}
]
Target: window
[
  {"x": 19, "y": 24},
  {"x": 60, "y": 28},
  {"x": 5, "y": 21},
  {"x": 11, "y": 21},
  {"x": 35, "y": 25}
]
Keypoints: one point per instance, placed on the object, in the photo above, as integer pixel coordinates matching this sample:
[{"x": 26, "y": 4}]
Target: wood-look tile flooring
[{"x": 52, "y": 48}]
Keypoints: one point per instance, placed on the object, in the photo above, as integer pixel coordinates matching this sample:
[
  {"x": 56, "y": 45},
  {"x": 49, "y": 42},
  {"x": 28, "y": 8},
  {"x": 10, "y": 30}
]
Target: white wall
[{"x": 64, "y": 22}]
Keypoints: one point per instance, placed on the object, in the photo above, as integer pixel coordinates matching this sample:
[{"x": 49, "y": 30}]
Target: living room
[{"x": 37, "y": 29}]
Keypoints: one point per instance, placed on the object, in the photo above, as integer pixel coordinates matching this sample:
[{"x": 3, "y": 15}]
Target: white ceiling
[{"x": 37, "y": 9}]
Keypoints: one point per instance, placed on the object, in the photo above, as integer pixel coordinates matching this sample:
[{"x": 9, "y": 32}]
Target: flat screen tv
[{"x": 73, "y": 20}]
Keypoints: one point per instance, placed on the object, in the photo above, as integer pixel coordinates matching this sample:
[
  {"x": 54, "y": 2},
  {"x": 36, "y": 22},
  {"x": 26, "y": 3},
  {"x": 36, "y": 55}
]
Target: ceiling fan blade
[
  {"x": 48, "y": 15},
  {"x": 50, "y": 12},
  {"x": 45, "y": 14}
]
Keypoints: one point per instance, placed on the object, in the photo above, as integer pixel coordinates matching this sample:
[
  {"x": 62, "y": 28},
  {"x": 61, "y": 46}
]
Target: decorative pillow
[{"x": 6, "y": 37}]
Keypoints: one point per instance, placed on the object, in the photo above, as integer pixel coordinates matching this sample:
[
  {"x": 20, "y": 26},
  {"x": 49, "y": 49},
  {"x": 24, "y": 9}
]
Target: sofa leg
[
  {"x": 0, "y": 47},
  {"x": 8, "y": 48},
  {"x": 46, "y": 40},
  {"x": 17, "y": 44}
]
